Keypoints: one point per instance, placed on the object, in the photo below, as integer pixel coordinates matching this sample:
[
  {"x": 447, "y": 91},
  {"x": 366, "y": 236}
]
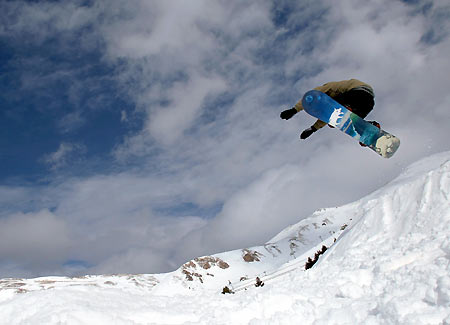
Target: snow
[{"x": 387, "y": 263}]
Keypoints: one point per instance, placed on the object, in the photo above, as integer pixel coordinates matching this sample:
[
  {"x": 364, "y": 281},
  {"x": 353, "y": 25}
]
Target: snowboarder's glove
[
  {"x": 307, "y": 132},
  {"x": 287, "y": 114}
]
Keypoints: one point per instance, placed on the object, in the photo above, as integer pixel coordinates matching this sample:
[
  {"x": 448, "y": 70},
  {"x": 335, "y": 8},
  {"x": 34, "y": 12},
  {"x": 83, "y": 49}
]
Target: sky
[{"x": 137, "y": 135}]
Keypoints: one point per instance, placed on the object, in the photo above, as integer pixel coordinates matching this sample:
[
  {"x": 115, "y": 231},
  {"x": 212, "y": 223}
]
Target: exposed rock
[
  {"x": 189, "y": 264},
  {"x": 309, "y": 264},
  {"x": 208, "y": 261},
  {"x": 273, "y": 249},
  {"x": 259, "y": 283},
  {"x": 190, "y": 276},
  {"x": 251, "y": 256},
  {"x": 226, "y": 290}
]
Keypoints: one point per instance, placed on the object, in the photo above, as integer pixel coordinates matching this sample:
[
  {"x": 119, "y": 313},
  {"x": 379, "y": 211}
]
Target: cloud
[
  {"x": 103, "y": 223},
  {"x": 284, "y": 194},
  {"x": 71, "y": 121},
  {"x": 42, "y": 20},
  {"x": 167, "y": 124},
  {"x": 208, "y": 81},
  {"x": 39, "y": 240},
  {"x": 151, "y": 246},
  {"x": 65, "y": 154},
  {"x": 123, "y": 116}
]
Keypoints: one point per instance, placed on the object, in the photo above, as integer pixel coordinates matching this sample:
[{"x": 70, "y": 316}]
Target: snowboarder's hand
[
  {"x": 306, "y": 133},
  {"x": 287, "y": 114}
]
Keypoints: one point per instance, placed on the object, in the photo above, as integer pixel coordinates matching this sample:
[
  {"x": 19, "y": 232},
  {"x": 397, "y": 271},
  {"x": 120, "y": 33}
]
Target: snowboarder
[{"x": 356, "y": 95}]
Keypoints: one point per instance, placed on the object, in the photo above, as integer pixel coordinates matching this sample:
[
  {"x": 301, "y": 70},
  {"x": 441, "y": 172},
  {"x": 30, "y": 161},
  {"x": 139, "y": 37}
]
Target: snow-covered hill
[{"x": 387, "y": 262}]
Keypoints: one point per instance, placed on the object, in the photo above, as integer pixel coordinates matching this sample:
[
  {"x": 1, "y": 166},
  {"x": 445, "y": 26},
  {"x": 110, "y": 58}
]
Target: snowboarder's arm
[
  {"x": 299, "y": 106},
  {"x": 318, "y": 125},
  {"x": 306, "y": 133}
]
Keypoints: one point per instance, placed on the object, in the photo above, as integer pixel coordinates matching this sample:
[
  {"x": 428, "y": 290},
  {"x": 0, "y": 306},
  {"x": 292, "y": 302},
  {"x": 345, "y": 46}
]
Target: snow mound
[
  {"x": 387, "y": 262},
  {"x": 392, "y": 264}
]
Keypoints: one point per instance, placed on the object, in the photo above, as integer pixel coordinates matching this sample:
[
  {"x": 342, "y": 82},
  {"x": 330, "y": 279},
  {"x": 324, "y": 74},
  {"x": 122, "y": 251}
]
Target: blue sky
[
  {"x": 55, "y": 93},
  {"x": 135, "y": 136}
]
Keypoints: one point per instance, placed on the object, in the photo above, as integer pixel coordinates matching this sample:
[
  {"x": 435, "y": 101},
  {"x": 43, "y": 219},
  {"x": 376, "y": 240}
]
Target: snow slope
[{"x": 387, "y": 263}]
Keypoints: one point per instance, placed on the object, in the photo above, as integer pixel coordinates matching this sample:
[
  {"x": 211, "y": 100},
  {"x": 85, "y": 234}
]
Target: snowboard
[{"x": 325, "y": 108}]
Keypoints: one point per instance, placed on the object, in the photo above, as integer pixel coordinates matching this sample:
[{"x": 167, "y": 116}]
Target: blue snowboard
[{"x": 323, "y": 107}]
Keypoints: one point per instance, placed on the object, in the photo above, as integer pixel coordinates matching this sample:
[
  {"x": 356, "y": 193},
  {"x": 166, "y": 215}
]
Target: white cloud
[
  {"x": 44, "y": 19},
  {"x": 34, "y": 238},
  {"x": 71, "y": 121},
  {"x": 167, "y": 124},
  {"x": 123, "y": 116},
  {"x": 210, "y": 80},
  {"x": 61, "y": 157}
]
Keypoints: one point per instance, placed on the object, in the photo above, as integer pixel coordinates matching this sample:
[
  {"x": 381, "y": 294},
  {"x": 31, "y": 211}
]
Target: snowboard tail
[{"x": 323, "y": 107}]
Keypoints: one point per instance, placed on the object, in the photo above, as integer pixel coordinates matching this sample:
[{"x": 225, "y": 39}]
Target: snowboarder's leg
[{"x": 360, "y": 101}]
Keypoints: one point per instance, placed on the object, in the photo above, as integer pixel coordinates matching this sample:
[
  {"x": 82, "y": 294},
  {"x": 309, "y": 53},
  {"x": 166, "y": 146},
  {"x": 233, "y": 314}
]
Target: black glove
[
  {"x": 287, "y": 114},
  {"x": 306, "y": 133}
]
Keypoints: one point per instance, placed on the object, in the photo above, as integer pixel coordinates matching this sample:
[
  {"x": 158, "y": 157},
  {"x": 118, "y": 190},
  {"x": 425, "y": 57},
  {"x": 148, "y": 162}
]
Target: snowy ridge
[
  {"x": 124, "y": 282},
  {"x": 388, "y": 262},
  {"x": 304, "y": 239},
  {"x": 287, "y": 252}
]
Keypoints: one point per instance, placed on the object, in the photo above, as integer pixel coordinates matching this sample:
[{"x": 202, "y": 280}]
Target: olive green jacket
[{"x": 334, "y": 89}]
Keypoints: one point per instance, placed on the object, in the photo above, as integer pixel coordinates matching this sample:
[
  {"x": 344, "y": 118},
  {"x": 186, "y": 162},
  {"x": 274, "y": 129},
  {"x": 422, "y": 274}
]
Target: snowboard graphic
[{"x": 323, "y": 107}]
